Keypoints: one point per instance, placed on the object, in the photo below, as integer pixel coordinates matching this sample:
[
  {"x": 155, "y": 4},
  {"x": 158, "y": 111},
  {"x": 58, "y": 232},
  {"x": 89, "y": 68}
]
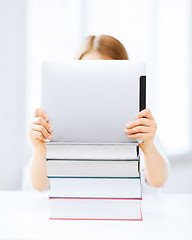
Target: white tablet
[{"x": 91, "y": 101}]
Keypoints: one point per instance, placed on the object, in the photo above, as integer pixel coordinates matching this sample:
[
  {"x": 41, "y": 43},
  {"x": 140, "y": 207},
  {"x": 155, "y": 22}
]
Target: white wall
[
  {"x": 12, "y": 92},
  {"x": 30, "y": 24},
  {"x": 157, "y": 32}
]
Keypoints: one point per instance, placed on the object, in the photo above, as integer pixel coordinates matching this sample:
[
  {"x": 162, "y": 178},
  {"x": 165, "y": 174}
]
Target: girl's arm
[
  {"x": 39, "y": 132},
  {"x": 144, "y": 127}
]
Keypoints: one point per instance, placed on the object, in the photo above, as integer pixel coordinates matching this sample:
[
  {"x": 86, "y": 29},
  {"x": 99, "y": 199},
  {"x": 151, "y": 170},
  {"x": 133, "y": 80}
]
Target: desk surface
[{"x": 25, "y": 215}]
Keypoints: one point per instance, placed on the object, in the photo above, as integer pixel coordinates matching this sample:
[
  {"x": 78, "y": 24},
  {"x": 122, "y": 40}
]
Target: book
[
  {"x": 96, "y": 187},
  {"x": 56, "y": 150},
  {"x": 94, "y": 181},
  {"x": 95, "y": 209},
  {"x": 92, "y": 168}
]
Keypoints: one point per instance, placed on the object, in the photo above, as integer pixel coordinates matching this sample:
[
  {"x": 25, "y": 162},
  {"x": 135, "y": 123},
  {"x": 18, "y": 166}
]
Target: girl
[{"x": 144, "y": 127}]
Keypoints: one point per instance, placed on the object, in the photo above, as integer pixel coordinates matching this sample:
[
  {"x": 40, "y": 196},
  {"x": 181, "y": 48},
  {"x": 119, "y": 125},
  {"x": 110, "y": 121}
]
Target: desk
[{"x": 25, "y": 215}]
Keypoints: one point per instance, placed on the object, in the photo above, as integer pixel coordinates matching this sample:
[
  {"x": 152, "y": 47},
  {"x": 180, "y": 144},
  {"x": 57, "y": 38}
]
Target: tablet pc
[{"x": 91, "y": 101}]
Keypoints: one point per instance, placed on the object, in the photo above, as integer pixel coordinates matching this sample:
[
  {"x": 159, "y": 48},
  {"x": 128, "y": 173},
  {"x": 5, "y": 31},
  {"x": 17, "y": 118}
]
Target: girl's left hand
[{"x": 144, "y": 127}]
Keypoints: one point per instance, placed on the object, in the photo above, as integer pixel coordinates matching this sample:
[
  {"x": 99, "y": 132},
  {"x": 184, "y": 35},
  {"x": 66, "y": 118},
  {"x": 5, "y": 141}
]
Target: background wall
[
  {"x": 158, "y": 32},
  {"x": 12, "y": 94}
]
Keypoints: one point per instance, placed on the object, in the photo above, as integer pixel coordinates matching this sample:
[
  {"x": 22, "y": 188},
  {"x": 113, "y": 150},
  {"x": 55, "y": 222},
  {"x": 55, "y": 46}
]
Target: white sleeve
[{"x": 146, "y": 187}]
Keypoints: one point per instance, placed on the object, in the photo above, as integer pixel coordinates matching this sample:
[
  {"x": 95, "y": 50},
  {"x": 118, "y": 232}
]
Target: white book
[
  {"x": 92, "y": 168},
  {"x": 91, "y": 151},
  {"x": 96, "y": 187},
  {"x": 95, "y": 209}
]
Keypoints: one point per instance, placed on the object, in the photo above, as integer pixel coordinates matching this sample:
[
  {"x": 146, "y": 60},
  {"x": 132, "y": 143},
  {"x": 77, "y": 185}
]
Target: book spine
[
  {"x": 91, "y": 160},
  {"x": 103, "y": 198},
  {"x": 100, "y": 219}
]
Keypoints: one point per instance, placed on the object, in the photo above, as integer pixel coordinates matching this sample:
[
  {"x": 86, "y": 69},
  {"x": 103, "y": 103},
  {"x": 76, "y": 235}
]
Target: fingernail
[
  {"x": 125, "y": 131},
  {"x": 129, "y": 136},
  {"x": 50, "y": 129},
  {"x": 128, "y": 125},
  {"x": 47, "y": 119},
  {"x": 50, "y": 136}
]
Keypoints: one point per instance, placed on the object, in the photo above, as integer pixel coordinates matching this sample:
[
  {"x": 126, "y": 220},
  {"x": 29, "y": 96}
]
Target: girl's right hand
[{"x": 40, "y": 130}]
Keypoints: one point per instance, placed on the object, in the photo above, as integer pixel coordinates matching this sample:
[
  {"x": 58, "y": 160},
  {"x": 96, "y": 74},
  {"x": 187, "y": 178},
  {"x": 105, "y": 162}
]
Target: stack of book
[{"x": 94, "y": 181}]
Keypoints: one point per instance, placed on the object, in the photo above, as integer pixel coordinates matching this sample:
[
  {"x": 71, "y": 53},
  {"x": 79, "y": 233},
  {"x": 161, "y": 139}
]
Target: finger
[
  {"x": 138, "y": 129},
  {"x": 145, "y": 113},
  {"x": 139, "y": 122},
  {"x": 38, "y": 135},
  {"x": 40, "y": 113},
  {"x": 41, "y": 121},
  {"x": 40, "y": 128},
  {"x": 142, "y": 136}
]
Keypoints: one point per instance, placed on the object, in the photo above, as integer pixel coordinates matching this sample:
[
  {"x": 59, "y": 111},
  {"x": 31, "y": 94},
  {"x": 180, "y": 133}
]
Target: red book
[{"x": 95, "y": 208}]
